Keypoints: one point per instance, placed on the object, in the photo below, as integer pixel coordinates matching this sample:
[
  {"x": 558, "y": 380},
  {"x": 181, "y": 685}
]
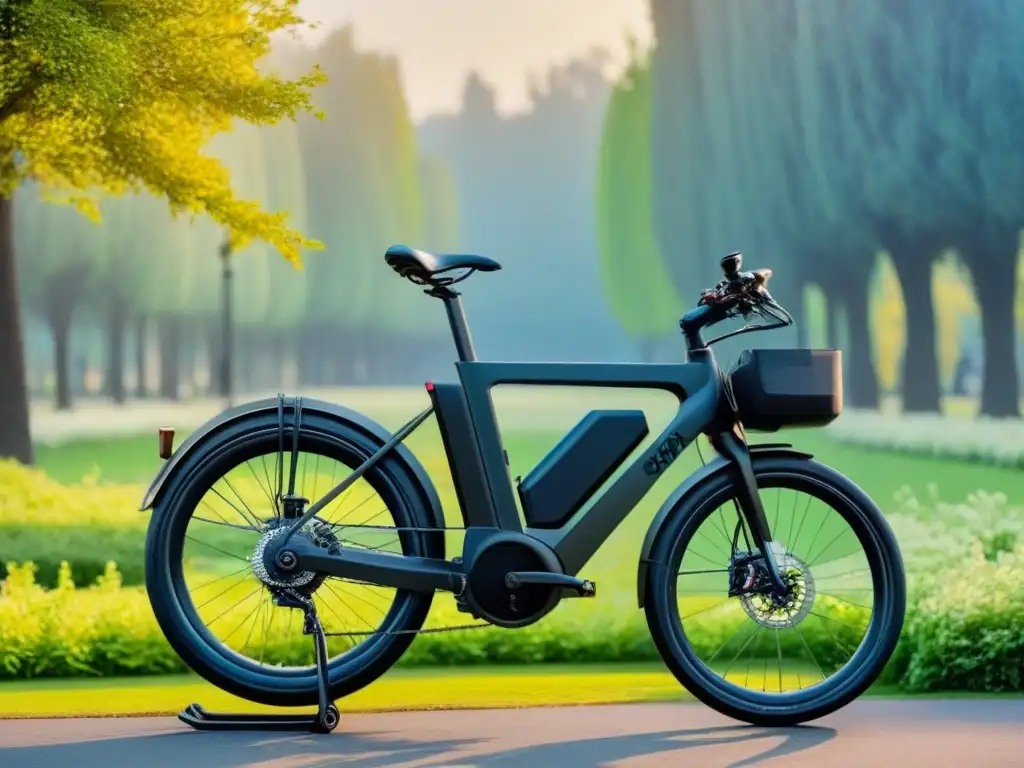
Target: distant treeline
[
  {"x": 147, "y": 286},
  {"x": 815, "y": 136},
  {"x": 132, "y": 307}
]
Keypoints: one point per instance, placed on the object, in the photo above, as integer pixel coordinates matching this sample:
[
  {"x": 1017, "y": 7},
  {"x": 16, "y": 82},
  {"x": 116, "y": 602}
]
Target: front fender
[
  {"x": 329, "y": 410},
  {"x": 680, "y": 496}
]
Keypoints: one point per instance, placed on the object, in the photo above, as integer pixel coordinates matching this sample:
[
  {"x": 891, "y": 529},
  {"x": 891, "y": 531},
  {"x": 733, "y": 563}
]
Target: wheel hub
[
  {"x": 317, "y": 531},
  {"x": 775, "y": 611}
]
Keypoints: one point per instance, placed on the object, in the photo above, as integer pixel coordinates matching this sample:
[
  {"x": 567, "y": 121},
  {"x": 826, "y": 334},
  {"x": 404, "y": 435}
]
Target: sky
[{"x": 437, "y": 42}]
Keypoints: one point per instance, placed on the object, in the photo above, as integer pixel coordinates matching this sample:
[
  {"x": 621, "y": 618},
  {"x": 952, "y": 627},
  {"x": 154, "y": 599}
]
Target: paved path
[{"x": 870, "y": 732}]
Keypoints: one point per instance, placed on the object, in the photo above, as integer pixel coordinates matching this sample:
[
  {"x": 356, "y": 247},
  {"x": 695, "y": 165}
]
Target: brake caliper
[{"x": 748, "y": 574}]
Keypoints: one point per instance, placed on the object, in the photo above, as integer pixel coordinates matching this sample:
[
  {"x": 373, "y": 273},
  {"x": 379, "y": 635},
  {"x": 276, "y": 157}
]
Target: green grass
[
  {"x": 134, "y": 460},
  {"x": 418, "y": 689}
]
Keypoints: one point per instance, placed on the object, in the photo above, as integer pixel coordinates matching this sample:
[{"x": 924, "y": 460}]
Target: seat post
[{"x": 460, "y": 329}]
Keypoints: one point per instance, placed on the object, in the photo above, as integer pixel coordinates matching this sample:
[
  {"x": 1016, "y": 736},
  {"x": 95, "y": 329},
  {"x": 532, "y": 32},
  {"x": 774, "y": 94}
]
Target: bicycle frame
[{"x": 480, "y": 469}]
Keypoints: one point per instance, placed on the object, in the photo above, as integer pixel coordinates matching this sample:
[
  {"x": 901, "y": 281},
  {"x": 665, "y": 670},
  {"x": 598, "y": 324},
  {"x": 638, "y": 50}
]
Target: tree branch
[{"x": 10, "y": 106}]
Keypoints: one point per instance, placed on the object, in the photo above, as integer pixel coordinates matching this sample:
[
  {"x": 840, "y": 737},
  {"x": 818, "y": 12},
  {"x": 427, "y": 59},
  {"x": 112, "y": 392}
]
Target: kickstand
[{"x": 327, "y": 716}]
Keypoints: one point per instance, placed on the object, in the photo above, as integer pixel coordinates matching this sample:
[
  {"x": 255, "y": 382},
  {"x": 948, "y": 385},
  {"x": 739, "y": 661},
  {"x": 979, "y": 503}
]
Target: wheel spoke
[
  {"x": 212, "y": 590},
  {"x": 225, "y": 524},
  {"x": 734, "y": 653}
]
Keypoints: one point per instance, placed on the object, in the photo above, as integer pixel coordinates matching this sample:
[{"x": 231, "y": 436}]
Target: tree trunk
[
  {"x": 798, "y": 309},
  {"x": 647, "y": 348},
  {"x": 860, "y": 367},
  {"x": 60, "y": 297},
  {"x": 60, "y": 327},
  {"x": 187, "y": 369},
  {"x": 170, "y": 352},
  {"x": 15, "y": 438},
  {"x": 118, "y": 320},
  {"x": 244, "y": 360},
  {"x": 919, "y": 382},
  {"x": 994, "y": 271},
  {"x": 140, "y": 357},
  {"x": 832, "y": 308}
]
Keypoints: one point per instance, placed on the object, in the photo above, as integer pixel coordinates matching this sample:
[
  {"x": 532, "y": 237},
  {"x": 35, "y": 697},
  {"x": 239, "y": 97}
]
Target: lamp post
[{"x": 226, "y": 355}]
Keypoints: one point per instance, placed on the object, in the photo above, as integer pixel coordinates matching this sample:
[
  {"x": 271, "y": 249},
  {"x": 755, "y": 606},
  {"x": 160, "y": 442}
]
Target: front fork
[{"x": 732, "y": 448}]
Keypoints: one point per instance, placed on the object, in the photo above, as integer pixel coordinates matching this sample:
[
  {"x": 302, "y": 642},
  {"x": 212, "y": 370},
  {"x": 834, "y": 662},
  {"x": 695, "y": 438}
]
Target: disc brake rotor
[{"x": 775, "y": 612}]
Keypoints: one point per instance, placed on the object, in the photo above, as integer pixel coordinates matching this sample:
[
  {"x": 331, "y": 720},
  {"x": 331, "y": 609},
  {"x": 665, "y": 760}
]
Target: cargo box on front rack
[{"x": 778, "y": 388}]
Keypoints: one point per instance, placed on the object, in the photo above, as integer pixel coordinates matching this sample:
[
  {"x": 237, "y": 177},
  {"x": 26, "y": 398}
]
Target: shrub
[
  {"x": 87, "y": 524},
  {"x": 109, "y": 629},
  {"x": 29, "y": 496},
  {"x": 87, "y": 549},
  {"x": 984, "y": 440},
  {"x": 964, "y": 630}
]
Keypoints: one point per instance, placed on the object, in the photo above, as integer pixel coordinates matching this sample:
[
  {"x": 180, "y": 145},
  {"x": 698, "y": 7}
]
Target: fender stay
[{"x": 680, "y": 495}]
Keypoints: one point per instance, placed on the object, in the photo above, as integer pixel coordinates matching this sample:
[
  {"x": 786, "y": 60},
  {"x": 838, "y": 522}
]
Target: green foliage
[
  {"x": 120, "y": 97},
  {"x": 362, "y": 188},
  {"x": 440, "y": 205},
  {"x": 638, "y": 285},
  {"x": 87, "y": 548},
  {"x": 965, "y": 565},
  {"x": 87, "y": 524}
]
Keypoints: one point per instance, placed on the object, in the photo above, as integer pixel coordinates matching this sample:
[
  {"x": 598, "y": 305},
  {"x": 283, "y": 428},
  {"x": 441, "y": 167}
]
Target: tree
[
  {"x": 440, "y": 204},
  {"x": 117, "y": 97},
  {"x": 69, "y": 251},
  {"x": 120, "y": 284},
  {"x": 526, "y": 187},
  {"x": 638, "y": 286},
  {"x": 285, "y": 192}
]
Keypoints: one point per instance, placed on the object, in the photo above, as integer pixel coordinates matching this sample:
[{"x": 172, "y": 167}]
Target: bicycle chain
[
  {"x": 427, "y": 631},
  {"x": 422, "y": 631}
]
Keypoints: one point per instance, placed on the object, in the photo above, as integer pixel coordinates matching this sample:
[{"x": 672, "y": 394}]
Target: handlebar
[{"x": 740, "y": 294}]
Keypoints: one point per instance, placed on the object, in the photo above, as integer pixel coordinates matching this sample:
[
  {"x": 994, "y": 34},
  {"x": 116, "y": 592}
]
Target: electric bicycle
[{"x": 820, "y": 577}]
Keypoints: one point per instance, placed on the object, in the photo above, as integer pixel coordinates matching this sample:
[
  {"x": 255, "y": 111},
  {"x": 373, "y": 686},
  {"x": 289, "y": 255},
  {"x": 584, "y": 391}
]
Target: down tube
[{"x": 579, "y": 543}]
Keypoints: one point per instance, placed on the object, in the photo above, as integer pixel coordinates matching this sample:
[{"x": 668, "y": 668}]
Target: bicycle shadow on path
[
  {"x": 378, "y": 749},
  {"x": 229, "y": 750},
  {"x": 602, "y": 751}
]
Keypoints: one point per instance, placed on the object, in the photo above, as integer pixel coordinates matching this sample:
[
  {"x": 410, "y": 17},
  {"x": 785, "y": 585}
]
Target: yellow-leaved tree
[
  {"x": 888, "y": 322},
  {"x": 954, "y": 302},
  {"x": 119, "y": 96}
]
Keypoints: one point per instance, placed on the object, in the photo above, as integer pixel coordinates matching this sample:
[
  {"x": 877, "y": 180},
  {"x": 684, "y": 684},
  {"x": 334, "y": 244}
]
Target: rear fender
[
  {"x": 679, "y": 502},
  {"x": 225, "y": 420}
]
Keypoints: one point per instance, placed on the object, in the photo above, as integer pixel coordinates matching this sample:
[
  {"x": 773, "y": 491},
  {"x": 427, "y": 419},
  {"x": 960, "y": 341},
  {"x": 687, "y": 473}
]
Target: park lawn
[
  {"x": 402, "y": 689},
  {"x": 398, "y": 690},
  {"x": 133, "y": 460}
]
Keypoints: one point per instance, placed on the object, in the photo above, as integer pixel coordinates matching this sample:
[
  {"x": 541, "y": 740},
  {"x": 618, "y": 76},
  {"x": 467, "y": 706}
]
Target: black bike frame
[{"x": 480, "y": 470}]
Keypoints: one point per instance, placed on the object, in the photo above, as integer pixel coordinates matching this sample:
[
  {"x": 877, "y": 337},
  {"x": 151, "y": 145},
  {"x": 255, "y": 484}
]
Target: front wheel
[{"x": 761, "y": 656}]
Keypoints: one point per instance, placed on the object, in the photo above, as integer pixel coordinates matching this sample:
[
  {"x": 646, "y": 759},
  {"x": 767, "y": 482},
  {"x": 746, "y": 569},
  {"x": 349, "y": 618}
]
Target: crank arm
[
  {"x": 582, "y": 587},
  {"x": 417, "y": 574}
]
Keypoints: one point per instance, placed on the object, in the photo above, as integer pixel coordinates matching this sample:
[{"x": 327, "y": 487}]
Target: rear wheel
[
  {"x": 210, "y": 594},
  {"x": 777, "y": 659}
]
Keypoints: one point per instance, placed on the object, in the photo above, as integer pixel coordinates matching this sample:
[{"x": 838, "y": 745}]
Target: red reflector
[{"x": 430, "y": 386}]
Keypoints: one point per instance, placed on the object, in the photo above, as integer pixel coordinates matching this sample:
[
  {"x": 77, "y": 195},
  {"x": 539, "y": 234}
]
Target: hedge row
[
  {"x": 982, "y": 440},
  {"x": 965, "y": 631},
  {"x": 87, "y": 524}
]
